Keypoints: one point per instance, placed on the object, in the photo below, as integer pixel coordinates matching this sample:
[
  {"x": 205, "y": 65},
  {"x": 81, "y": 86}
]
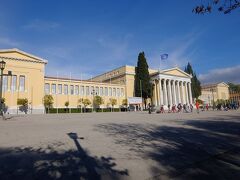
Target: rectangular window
[
  {"x": 5, "y": 83},
  {"x": 53, "y": 88},
  {"x": 22, "y": 83},
  {"x": 71, "y": 89},
  {"x": 91, "y": 90},
  {"x": 97, "y": 91},
  {"x": 47, "y": 88},
  {"x": 114, "y": 92},
  {"x": 87, "y": 90},
  {"x": 14, "y": 83},
  {"x": 118, "y": 92},
  {"x": 65, "y": 89},
  {"x": 101, "y": 91},
  {"x": 122, "y": 92},
  {"x": 82, "y": 90},
  {"x": 76, "y": 90},
  {"x": 106, "y": 91},
  {"x": 59, "y": 89},
  {"x": 110, "y": 91}
]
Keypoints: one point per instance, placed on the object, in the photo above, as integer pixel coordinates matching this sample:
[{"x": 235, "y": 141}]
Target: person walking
[
  {"x": 197, "y": 106},
  {"x": 149, "y": 108}
]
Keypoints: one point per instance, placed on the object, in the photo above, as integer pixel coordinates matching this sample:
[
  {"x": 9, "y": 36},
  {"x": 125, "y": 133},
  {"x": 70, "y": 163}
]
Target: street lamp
[
  {"x": 2, "y": 67},
  {"x": 141, "y": 93},
  {"x": 93, "y": 93},
  {"x": 213, "y": 98}
]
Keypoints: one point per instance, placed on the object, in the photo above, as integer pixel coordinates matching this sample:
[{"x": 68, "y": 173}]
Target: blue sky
[{"x": 91, "y": 37}]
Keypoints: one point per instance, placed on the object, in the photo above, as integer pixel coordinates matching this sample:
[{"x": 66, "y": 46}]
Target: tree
[
  {"x": 86, "y": 102},
  {"x": 48, "y": 101},
  {"x": 234, "y": 87},
  {"x": 98, "y": 100},
  {"x": 113, "y": 102},
  {"x": 125, "y": 102},
  {"x": 225, "y": 6},
  {"x": 23, "y": 103},
  {"x": 66, "y": 104},
  {"x": 195, "y": 83},
  {"x": 142, "y": 79}
]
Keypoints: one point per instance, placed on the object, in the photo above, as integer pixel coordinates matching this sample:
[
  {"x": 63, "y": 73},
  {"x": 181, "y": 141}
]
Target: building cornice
[
  {"x": 21, "y": 59},
  {"x": 24, "y": 53}
]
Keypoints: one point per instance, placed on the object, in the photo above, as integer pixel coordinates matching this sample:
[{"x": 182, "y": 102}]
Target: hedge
[{"x": 87, "y": 110}]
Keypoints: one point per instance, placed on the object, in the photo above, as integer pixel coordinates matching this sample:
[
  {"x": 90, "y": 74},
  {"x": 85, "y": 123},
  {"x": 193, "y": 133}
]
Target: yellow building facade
[
  {"x": 171, "y": 86},
  {"x": 28, "y": 80},
  {"x": 213, "y": 92}
]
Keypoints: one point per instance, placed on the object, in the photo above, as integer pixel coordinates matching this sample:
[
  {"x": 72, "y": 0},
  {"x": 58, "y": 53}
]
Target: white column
[
  {"x": 174, "y": 93},
  {"x": 169, "y": 92},
  {"x": 190, "y": 93},
  {"x": 183, "y": 95},
  {"x": 178, "y": 89},
  {"x": 155, "y": 92},
  {"x": 160, "y": 92},
  {"x": 165, "y": 92},
  {"x": 186, "y": 90}
]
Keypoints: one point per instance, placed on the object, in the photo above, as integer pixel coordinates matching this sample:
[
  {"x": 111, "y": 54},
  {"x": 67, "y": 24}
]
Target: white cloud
[
  {"x": 115, "y": 48},
  {"x": 179, "y": 49},
  {"x": 229, "y": 74},
  {"x": 5, "y": 41},
  {"x": 41, "y": 25}
]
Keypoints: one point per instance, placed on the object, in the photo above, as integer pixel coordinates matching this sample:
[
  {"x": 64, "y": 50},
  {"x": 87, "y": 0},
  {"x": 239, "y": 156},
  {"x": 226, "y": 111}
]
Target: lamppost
[
  {"x": 93, "y": 93},
  {"x": 213, "y": 98},
  {"x": 141, "y": 93},
  {"x": 2, "y": 67}
]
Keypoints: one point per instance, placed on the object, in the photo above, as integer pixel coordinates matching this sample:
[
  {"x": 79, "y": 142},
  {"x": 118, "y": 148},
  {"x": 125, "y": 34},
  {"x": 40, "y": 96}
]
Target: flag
[{"x": 164, "y": 56}]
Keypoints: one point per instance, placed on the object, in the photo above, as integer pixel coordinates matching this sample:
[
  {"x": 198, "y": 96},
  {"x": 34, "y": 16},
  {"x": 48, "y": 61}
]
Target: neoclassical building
[
  {"x": 213, "y": 92},
  {"x": 28, "y": 80},
  {"x": 171, "y": 86}
]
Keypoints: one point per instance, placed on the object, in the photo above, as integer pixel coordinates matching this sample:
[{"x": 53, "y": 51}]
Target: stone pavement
[{"x": 131, "y": 145}]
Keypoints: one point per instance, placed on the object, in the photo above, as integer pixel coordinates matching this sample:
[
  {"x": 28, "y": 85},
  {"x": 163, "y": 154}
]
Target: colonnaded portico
[{"x": 171, "y": 86}]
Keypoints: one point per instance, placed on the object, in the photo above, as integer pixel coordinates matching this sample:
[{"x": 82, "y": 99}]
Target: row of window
[
  {"x": 83, "y": 90},
  {"x": 13, "y": 83}
]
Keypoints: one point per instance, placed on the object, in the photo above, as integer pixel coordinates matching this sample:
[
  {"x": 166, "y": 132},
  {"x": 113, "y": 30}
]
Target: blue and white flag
[{"x": 164, "y": 56}]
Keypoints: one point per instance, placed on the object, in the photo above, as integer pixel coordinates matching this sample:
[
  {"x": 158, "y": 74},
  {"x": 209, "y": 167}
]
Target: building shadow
[
  {"x": 197, "y": 149},
  {"x": 48, "y": 164}
]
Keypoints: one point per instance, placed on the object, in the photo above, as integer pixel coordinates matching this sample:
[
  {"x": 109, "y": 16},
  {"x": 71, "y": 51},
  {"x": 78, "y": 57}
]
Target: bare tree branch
[{"x": 225, "y": 6}]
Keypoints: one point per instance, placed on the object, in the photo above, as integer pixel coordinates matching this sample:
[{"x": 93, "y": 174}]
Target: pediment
[
  {"x": 223, "y": 84},
  {"x": 176, "y": 72},
  {"x": 18, "y": 54}
]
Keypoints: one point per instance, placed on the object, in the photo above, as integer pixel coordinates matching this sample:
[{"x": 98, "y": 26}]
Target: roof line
[{"x": 24, "y": 53}]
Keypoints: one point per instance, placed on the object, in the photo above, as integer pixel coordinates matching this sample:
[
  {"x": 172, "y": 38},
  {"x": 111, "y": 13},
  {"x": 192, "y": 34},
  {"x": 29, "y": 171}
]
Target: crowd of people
[{"x": 188, "y": 108}]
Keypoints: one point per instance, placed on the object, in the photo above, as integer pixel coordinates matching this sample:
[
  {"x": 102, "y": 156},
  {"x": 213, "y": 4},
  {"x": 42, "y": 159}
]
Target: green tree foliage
[
  {"x": 97, "y": 101},
  {"x": 142, "y": 79},
  {"x": 195, "y": 83},
  {"x": 66, "y": 104},
  {"x": 2, "y": 101},
  {"x": 225, "y": 6},
  {"x": 124, "y": 102},
  {"x": 234, "y": 87},
  {"x": 22, "y": 102},
  {"x": 86, "y": 102},
  {"x": 48, "y": 101},
  {"x": 113, "y": 102}
]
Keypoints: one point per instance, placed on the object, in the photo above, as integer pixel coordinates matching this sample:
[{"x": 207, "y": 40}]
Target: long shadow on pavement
[
  {"x": 197, "y": 149},
  {"x": 47, "y": 164}
]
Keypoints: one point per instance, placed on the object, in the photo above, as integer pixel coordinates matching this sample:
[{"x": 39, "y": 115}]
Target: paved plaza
[{"x": 129, "y": 145}]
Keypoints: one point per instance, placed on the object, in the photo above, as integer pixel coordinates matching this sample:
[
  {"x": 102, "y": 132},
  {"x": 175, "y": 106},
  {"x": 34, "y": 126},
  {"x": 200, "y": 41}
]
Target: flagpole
[{"x": 57, "y": 93}]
